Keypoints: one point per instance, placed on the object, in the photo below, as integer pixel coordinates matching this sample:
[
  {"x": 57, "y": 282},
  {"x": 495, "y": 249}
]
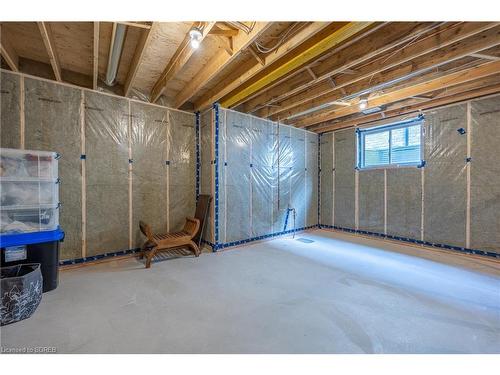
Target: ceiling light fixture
[
  {"x": 363, "y": 103},
  {"x": 195, "y": 34}
]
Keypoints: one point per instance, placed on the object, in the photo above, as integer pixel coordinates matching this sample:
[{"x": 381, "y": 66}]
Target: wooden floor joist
[
  {"x": 8, "y": 52},
  {"x": 221, "y": 60},
  {"x": 315, "y": 51},
  {"x": 48, "y": 40},
  {"x": 447, "y": 80},
  {"x": 460, "y": 94},
  {"x": 140, "y": 50},
  {"x": 178, "y": 61},
  {"x": 452, "y": 44},
  {"x": 263, "y": 62},
  {"x": 379, "y": 41},
  {"x": 95, "y": 56}
]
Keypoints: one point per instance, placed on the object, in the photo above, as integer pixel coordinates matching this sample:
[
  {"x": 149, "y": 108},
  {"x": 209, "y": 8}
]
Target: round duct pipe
[{"x": 115, "y": 52}]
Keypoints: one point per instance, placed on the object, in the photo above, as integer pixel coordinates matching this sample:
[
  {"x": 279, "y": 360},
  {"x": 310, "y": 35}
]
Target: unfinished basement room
[{"x": 250, "y": 187}]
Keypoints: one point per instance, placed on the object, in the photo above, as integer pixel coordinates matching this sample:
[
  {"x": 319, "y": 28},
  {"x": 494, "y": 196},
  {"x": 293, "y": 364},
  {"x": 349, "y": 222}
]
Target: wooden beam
[
  {"x": 48, "y": 40},
  {"x": 226, "y": 44},
  {"x": 223, "y": 32},
  {"x": 259, "y": 59},
  {"x": 307, "y": 33},
  {"x": 9, "y": 54},
  {"x": 450, "y": 45},
  {"x": 330, "y": 41},
  {"x": 221, "y": 60},
  {"x": 377, "y": 42},
  {"x": 177, "y": 62},
  {"x": 446, "y": 80},
  {"x": 404, "y": 108},
  {"x": 485, "y": 57},
  {"x": 136, "y": 24},
  {"x": 95, "y": 58},
  {"x": 142, "y": 45}
]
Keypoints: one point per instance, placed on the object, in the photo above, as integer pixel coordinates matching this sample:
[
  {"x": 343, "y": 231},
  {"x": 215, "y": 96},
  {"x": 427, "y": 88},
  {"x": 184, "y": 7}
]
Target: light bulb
[
  {"x": 195, "y": 43},
  {"x": 363, "y": 103},
  {"x": 195, "y": 35}
]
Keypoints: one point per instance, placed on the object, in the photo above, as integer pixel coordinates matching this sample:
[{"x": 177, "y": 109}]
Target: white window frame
[{"x": 360, "y": 143}]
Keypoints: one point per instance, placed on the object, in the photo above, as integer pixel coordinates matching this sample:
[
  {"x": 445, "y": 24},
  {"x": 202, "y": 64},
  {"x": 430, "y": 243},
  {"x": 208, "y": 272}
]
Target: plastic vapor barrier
[
  {"x": 10, "y": 134},
  {"x": 266, "y": 172},
  {"x": 263, "y": 175},
  {"x": 485, "y": 174},
  {"x": 371, "y": 200},
  {"x": 206, "y": 169},
  {"x": 311, "y": 179},
  {"x": 52, "y": 122},
  {"x": 429, "y": 203},
  {"x": 235, "y": 220},
  {"x": 150, "y": 137},
  {"x": 298, "y": 198},
  {"x": 445, "y": 190},
  {"x": 404, "y": 202},
  {"x": 345, "y": 162},
  {"x": 107, "y": 155},
  {"x": 327, "y": 175},
  {"x": 182, "y": 167},
  {"x": 133, "y": 161}
]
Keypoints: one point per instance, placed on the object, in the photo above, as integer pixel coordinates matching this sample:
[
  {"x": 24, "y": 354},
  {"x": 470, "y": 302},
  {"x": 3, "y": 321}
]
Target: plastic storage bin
[
  {"x": 29, "y": 194},
  {"x": 29, "y": 217}
]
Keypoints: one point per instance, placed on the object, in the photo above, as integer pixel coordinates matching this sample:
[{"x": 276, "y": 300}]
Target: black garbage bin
[{"x": 37, "y": 247}]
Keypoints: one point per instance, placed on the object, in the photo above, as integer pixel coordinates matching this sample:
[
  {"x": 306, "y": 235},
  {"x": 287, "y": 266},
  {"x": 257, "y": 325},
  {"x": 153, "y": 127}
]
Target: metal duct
[{"x": 115, "y": 52}]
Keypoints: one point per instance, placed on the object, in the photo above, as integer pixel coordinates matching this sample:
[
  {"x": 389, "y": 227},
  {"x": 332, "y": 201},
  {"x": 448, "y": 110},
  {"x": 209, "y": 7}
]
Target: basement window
[{"x": 394, "y": 145}]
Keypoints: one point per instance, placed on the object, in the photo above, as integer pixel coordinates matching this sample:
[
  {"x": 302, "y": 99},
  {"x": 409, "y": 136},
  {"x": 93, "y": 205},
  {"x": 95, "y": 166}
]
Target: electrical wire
[
  {"x": 410, "y": 42},
  {"x": 265, "y": 50}
]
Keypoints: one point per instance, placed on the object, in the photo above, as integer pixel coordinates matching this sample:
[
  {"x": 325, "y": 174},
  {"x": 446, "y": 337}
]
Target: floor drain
[{"x": 305, "y": 240}]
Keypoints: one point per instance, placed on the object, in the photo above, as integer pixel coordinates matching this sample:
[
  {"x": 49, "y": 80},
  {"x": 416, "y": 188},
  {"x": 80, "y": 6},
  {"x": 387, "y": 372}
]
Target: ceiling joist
[
  {"x": 261, "y": 62},
  {"x": 95, "y": 56},
  {"x": 223, "y": 32},
  {"x": 177, "y": 62},
  {"x": 142, "y": 45},
  {"x": 309, "y": 55},
  {"x": 378, "y": 41},
  {"x": 9, "y": 54},
  {"x": 444, "y": 81},
  {"x": 478, "y": 89},
  {"x": 485, "y": 57},
  {"x": 48, "y": 40},
  {"x": 221, "y": 60},
  {"x": 408, "y": 62}
]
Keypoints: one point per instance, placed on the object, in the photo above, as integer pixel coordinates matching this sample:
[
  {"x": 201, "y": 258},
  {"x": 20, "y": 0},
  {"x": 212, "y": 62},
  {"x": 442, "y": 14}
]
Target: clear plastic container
[
  {"x": 29, "y": 219},
  {"x": 29, "y": 191},
  {"x": 21, "y": 164}
]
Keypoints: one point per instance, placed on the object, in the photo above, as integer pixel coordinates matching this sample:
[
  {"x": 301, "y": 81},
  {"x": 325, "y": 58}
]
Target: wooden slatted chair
[{"x": 159, "y": 242}]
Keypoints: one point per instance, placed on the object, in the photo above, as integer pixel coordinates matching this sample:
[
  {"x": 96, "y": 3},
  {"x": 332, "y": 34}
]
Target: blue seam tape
[
  {"x": 413, "y": 240},
  {"x": 319, "y": 179},
  {"x": 216, "y": 166}
]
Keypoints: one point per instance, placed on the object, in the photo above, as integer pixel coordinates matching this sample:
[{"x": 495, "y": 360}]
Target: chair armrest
[{"x": 191, "y": 226}]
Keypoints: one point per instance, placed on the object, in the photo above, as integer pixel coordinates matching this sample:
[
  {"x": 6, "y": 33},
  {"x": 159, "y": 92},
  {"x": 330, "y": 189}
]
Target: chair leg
[
  {"x": 150, "y": 257},
  {"x": 142, "y": 252},
  {"x": 195, "y": 248}
]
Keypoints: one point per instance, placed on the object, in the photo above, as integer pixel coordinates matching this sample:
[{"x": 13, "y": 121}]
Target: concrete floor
[{"x": 338, "y": 294}]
